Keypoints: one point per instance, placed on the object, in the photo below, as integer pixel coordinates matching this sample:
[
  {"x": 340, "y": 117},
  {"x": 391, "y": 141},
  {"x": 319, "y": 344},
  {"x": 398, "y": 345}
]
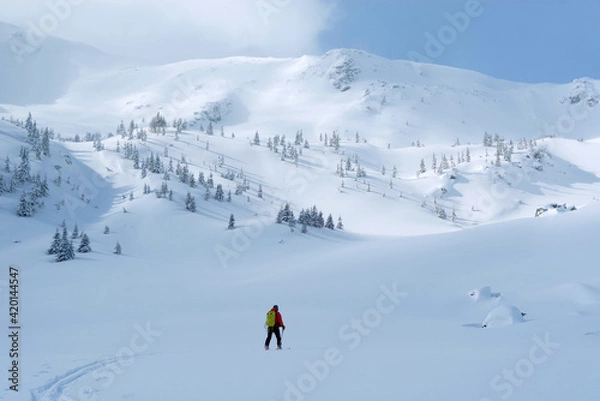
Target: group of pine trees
[
  {"x": 348, "y": 166},
  {"x": 288, "y": 150},
  {"x": 13, "y": 176},
  {"x": 62, "y": 244},
  {"x": 445, "y": 163},
  {"x": 158, "y": 124},
  {"x": 311, "y": 217},
  {"x": 334, "y": 140}
]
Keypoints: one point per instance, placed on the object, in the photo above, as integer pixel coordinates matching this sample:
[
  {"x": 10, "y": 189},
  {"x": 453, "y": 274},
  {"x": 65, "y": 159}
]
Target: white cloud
[{"x": 160, "y": 30}]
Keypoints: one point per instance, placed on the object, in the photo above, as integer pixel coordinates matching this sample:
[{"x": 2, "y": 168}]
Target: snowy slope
[
  {"x": 204, "y": 323},
  {"x": 36, "y": 68},
  {"x": 395, "y": 102},
  {"x": 391, "y": 307}
]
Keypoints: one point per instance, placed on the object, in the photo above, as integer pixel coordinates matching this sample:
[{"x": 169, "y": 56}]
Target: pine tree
[
  {"x": 219, "y": 195},
  {"x": 209, "y": 131},
  {"x": 329, "y": 224},
  {"x": 256, "y": 139},
  {"x": 45, "y": 147},
  {"x": 320, "y": 221},
  {"x": 106, "y": 230},
  {"x": 487, "y": 140},
  {"x": 231, "y": 225},
  {"x": 7, "y": 164},
  {"x": 84, "y": 245},
  {"x": 25, "y": 208},
  {"x": 190, "y": 202},
  {"x": 65, "y": 249},
  {"x": 23, "y": 173},
  {"x": 75, "y": 232},
  {"x": 441, "y": 213},
  {"x": 54, "y": 247},
  {"x": 422, "y": 168},
  {"x": 339, "y": 225},
  {"x": 260, "y": 191},
  {"x": 117, "y": 250}
]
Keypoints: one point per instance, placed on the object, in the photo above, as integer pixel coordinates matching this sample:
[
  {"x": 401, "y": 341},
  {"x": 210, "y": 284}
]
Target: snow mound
[
  {"x": 585, "y": 297},
  {"x": 503, "y": 315},
  {"x": 483, "y": 294},
  {"x": 557, "y": 208}
]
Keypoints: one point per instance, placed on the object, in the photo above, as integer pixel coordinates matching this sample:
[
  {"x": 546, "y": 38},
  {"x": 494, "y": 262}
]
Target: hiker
[{"x": 274, "y": 322}]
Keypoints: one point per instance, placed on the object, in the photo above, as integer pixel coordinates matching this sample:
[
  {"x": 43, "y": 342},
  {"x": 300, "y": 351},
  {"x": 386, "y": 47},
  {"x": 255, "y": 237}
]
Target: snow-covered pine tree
[
  {"x": 339, "y": 225},
  {"x": 7, "y": 164},
  {"x": 190, "y": 202},
  {"x": 487, "y": 139},
  {"x": 25, "y": 207},
  {"x": 65, "y": 249},
  {"x": 219, "y": 195},
  {"x": 75, "y": 232},
  {"x": 45, "y": 146},
  {"x": 442, "y": 213},
  {"x": 84, "y": 245},
  {"x": 117, "y": 250},
  {"x": 53, "y": 250},
  {"x": 231, "y": 224},
  {"x": 320, "y": 221},
  {"x": 329, "y": 223},
  {"x": 23, "y": 173},
  {"x": 106, "y": 230}
]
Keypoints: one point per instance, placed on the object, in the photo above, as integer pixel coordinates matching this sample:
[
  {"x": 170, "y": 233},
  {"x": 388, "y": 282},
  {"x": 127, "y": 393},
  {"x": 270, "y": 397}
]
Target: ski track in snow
[{"x": 54, "y": 388}]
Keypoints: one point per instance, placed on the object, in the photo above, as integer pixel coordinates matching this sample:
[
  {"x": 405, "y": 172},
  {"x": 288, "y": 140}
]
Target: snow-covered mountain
[
  {"x": 36, "y": 68},
  {"x": 441, "y": 284},
  {"x": 395, "y": 102}
]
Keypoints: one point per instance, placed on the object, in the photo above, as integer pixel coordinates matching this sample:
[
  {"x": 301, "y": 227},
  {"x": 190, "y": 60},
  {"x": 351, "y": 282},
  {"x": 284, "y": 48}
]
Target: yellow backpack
[{"x": 271, "y": 318}]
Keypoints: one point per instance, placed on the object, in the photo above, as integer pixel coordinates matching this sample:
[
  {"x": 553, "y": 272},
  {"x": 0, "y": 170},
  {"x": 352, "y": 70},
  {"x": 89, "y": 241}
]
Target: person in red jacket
[{"x": 273, "y": 327}]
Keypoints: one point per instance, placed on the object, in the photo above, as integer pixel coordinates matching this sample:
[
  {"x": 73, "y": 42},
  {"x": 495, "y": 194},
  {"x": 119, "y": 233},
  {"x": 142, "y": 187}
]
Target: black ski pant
[{"x": 271, "y": 331}]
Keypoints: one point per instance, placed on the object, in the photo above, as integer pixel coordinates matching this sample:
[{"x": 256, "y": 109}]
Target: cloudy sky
[{"x": 521, "y": 40}]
